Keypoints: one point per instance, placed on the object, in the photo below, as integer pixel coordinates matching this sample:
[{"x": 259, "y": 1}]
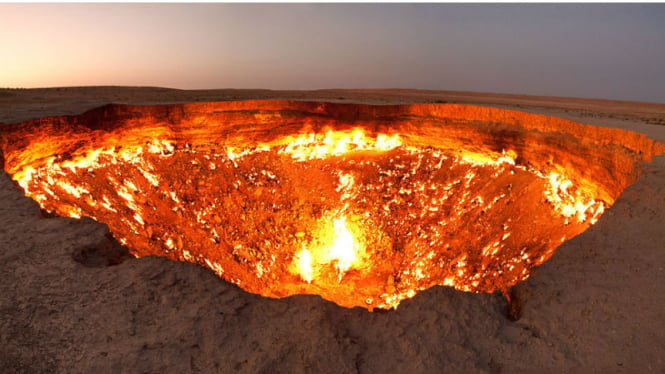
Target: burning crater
[{"x": 363, "y": 205}]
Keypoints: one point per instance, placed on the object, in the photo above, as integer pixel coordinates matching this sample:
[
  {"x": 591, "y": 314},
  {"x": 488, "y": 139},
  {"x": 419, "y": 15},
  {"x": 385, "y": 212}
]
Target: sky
[{"x": 612, "y": 51}]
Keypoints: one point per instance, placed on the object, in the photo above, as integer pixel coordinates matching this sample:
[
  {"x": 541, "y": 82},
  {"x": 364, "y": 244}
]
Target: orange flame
[
  {"x": 343, "y": 248},
  {"x": 335, "y": 143},
  {"x": 339, "y": 247}
]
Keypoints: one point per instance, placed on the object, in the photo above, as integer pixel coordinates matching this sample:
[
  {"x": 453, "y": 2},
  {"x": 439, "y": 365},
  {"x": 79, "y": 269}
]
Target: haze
[{"x": 614, "y": 51}]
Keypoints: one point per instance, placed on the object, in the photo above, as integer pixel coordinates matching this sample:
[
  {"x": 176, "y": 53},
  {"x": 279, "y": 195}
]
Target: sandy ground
[{"x": 597, "y": 306}]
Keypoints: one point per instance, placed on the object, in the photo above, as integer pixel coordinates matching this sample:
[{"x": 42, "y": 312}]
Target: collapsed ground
[{"x": 595, "y": 306}]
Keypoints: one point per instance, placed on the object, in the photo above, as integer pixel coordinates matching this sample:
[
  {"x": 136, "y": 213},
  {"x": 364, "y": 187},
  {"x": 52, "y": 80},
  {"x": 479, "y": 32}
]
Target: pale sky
[{"x": 614, "y": 51}]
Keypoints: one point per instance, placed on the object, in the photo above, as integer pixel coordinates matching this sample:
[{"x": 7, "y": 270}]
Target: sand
[{"x": 597, "y": 306}]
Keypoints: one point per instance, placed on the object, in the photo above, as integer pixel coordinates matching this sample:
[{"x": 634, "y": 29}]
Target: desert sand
[{"x": 597, "y": 305}]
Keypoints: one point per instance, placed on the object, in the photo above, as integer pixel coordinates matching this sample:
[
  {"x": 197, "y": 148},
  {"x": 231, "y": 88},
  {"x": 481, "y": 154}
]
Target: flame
[
  {"x": 490, "y": 158},
  {"x": 336, "y": 143},
  {"x": 571, "y": 204},
  {"x": 303, "y": 261},
  {"x": 343, "y": 248}
]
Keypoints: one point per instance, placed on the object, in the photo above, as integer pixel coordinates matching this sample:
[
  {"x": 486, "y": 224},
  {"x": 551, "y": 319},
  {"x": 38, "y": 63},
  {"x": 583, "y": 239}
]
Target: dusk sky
[{"x": 613, "y": 51}]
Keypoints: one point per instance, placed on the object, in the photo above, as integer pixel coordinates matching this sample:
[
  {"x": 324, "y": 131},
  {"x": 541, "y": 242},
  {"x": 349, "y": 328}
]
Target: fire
[
  {"x": 336, "y": 246},
  {"x": 362, "y": 213},
  {"x": 336, "y": 143},
  {"x": 304, "y": 265},
  {"x": 569, "y": 206},
  {"x": 343, "y": 248}
]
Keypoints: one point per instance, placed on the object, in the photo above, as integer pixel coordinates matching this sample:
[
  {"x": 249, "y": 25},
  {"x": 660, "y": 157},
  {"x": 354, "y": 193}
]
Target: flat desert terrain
[{"x": 597, "y": 305}]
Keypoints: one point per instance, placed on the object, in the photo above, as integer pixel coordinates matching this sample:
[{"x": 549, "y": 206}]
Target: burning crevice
[{"x": 362, "y": 205}]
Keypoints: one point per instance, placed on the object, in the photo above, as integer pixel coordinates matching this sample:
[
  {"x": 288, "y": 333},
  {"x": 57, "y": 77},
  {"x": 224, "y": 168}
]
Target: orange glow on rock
[{"x": 363, "y": 205}]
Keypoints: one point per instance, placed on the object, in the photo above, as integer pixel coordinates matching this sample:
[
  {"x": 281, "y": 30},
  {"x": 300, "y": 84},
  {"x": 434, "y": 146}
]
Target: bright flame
[
  {"x": 571, "y": 205},
  {"x": 506, "y": 157},
  {"x": 335, "y": 143},
  {"x": 304, "y": 265},
  {"x": 343, "y": 248}
]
